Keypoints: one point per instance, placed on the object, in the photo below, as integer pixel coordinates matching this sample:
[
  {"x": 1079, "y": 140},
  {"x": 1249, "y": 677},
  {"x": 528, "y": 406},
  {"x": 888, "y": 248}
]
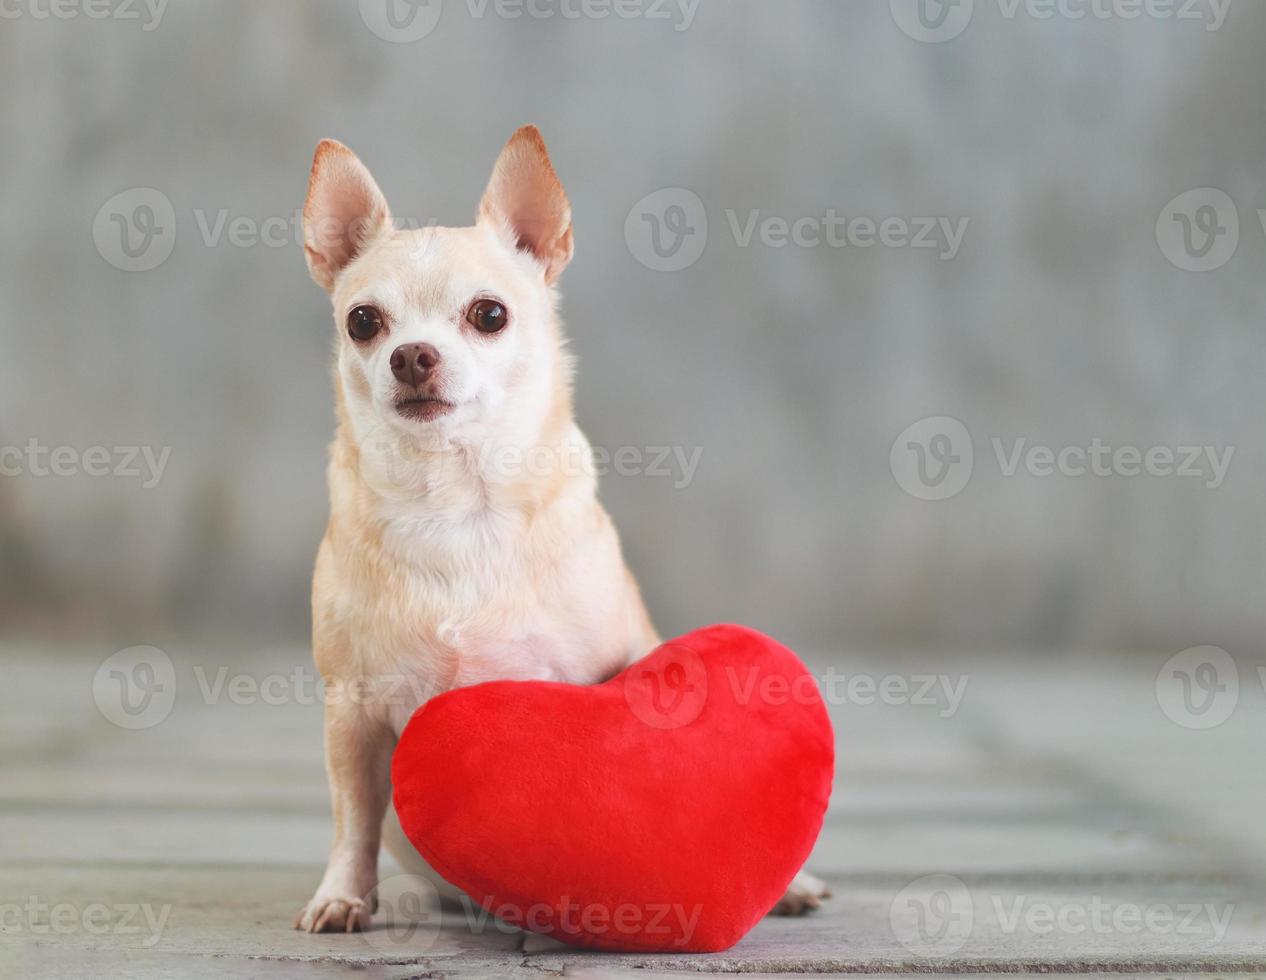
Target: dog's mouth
[{"x": 424, "y": 408}]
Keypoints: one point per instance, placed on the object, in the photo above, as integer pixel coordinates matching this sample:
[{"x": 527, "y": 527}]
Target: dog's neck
[{"x": 398, "y": 490}]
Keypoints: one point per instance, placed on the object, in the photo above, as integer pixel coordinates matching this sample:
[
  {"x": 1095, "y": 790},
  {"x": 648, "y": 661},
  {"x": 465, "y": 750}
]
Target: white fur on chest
[
  {"x": 469, "y": 605},
  {"x": 416, "y": 678}
]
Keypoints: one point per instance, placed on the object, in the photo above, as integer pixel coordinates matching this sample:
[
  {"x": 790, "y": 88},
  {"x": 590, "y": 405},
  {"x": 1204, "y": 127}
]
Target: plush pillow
[{"x": 665, "y": 810}]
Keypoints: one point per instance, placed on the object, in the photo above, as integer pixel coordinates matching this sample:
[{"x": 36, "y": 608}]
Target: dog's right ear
[
  {"x": 344, "y": 212},
  {"x": 526, "y": 203}
]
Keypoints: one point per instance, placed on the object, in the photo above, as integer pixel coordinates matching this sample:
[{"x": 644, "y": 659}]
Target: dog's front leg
[{"x": 358, "y": 760}]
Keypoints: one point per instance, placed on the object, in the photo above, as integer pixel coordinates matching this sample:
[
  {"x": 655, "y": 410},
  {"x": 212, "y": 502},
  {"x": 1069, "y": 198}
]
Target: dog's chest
[
  {"x": 456, "y": 611},
  {"x": 425, "y": 666}
]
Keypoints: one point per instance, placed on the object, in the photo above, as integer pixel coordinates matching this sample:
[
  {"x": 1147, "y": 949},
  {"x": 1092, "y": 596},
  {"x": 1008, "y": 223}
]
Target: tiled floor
[{"x": 1064, "y": 816}]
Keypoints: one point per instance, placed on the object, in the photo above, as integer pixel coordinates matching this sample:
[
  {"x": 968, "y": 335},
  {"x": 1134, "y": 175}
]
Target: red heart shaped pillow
[{"x": 666, "y": 810}]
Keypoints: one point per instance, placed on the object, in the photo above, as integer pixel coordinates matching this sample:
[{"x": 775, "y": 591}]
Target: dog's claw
[
  {"x": 334, "y": 915},
  {"x": 804, "y": 894}
]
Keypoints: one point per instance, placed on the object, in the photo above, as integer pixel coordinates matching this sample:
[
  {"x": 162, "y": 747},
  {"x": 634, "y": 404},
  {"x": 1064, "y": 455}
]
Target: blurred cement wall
[{"x": 789, "y": 343}]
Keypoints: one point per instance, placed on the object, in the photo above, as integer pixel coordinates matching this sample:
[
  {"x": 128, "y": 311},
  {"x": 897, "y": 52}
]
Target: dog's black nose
[{"x": 412, "y": 364}]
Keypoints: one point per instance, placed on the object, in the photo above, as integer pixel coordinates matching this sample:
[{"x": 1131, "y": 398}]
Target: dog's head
[{"x": 445, "y": 334}]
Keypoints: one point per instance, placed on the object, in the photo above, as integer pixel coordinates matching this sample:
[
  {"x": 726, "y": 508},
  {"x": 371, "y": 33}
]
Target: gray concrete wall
[{"x": 1060, "y": 319}]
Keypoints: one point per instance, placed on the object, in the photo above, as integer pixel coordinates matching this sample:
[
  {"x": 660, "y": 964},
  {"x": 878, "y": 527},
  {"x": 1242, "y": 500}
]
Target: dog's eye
[
  {"x": 486, "y": 315},
  {"x": 364, "y": 323}
]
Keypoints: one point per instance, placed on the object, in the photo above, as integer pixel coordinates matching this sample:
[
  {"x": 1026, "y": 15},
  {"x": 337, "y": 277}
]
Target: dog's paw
[
  {"x": 804, "y": 894},
  {"x": 334, "y": 913}
]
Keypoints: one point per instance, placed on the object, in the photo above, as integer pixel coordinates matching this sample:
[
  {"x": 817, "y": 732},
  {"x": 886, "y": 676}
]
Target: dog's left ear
[
  {"x": 344, "y": 212},
  {"x": 526, "y": 201}
]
